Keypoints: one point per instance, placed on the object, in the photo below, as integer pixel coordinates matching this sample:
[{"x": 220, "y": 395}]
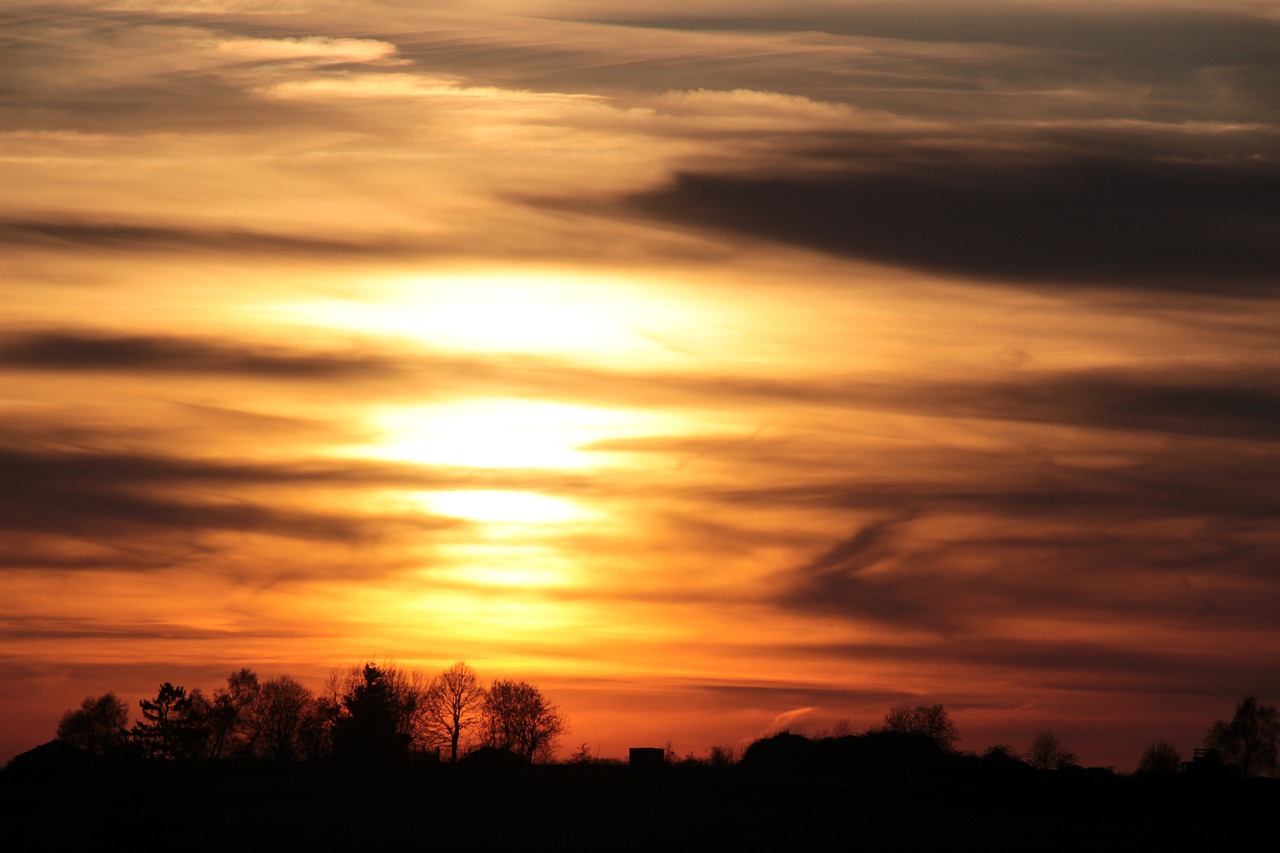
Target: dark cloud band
[
  {"x": 1211, "y": 228},
  {"x": 79, "y": 351}
]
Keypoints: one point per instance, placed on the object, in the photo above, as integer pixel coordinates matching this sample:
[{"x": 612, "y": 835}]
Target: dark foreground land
[{"x": 239, "y": 806}]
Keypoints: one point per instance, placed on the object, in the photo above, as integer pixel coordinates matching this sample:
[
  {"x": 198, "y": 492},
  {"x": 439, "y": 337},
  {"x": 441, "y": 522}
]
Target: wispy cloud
[
  {"x": 1210, "y": 401},
  {"x": 78, "y": 351},
  {"x": 309, "y": 47},
  {"x": 76, "y": 234}
]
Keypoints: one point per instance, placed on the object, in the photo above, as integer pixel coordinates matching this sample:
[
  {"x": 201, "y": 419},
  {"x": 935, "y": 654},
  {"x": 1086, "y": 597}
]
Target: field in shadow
[{"x": 959, "y": 801}]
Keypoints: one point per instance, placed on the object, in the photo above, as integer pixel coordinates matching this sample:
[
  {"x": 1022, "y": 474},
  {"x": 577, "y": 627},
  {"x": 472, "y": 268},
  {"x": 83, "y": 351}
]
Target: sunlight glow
[
  {"x": 501, "y": 506},
  {"x": 501, "y": 433},
  {"x": 508, "y": 576},
  {"x": 526, "y": 311},
  {"x": 500, "y": 562}
]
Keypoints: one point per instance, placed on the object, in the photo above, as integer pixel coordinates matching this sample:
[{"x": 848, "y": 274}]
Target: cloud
[
  {"x": 114, "y": 512},
  {"x": 761, "y": 692},
  {"x": 43, "y": 628},
  {"x": 1131, "y": 32},
  {"x": 100, "y": 508},
  {"x": 1062, "y": 664},
  {"x": 309, "y": 47},
  {"x": 385, "y": 85},
  {"x": 788, "y": 718},
  {"x": 87, "y": 235},
  {"x": 1132, "y": 149},
  {"x": 710, "y": 111},
  {"x": 834, "y": 582},
  {"x": 83, "y": 352},
  {"x": 1086, "y": 557},
  {"x": 1177, "y": 226},
  {"x": 1211, "y": 401}
]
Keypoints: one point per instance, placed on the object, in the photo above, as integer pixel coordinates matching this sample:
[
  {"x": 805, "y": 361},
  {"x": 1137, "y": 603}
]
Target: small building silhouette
[
  {"x": 1206, "y": 756},
  {"x": 1207, "y": 762},
  {"x": 56, "y": 760}
]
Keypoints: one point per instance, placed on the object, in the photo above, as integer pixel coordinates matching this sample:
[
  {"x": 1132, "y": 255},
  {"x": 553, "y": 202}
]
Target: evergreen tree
[
  {"x": 174, "y": 724},
  {"x": 369, "y": 728}
]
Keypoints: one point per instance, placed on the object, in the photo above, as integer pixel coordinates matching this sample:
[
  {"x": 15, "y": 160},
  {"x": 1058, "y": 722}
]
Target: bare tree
[
  {"x": 97, "y": 726},
  {"x": 931, "y": 720},
  {"x": 1249, "y": 740},
  {"x": 230, "y": 729},
  {"x": 1160, "y": 759},
  {"x": 583, "y": 754},
  {"x": 454, "y": 703},
  {"x": 1049, "y": 753},
  {"x": 519, "y": 718},
  {"x": 1000, "y": 752},
  {"x": 723, "y": 755},
  {"x": 409, "y": 693},
  {"x": 281, "y": 713}
]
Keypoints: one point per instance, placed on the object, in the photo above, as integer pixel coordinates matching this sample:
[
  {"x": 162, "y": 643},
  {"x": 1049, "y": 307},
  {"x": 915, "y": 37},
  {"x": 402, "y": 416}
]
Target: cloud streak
[
  {"x": 1210, "y": 401},
  {"x": 1186, "y": 227},
  {"x": 95, "y": 237},
  {"x": 77, "y": 351}
]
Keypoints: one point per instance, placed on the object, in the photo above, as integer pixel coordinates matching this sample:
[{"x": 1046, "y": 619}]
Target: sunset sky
[{"x": 720, "y": 367}]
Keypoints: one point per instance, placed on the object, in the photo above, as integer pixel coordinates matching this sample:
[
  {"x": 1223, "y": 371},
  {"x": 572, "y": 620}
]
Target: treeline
[
  {"x": 904, "y": 783},
  {"x": 371, "y": 713},
  {"x": 1246, "y": 745},
  {"x": 377, "y": 712}
]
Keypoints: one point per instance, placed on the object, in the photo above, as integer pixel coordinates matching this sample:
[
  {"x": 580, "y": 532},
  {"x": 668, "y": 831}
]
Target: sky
[{"x": 721, "y": 368}]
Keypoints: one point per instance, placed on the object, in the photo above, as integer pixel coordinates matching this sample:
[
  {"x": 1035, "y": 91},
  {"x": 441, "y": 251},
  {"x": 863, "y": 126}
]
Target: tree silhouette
[
  {"x": 931, "y": 720},
  {"x": 231, "y": 729},
  {"x": 1000, "y": 752},
  {"x": 1160, "y": 759},
  {"x": 518, "y": 717},
  {"x": 722, "y": 755},
  {"x": 1049, "y": 753},
  {"x": 174, "y": 724},
  {"x": 1249, "y": 740},
  {"x": 454, "y": 703},
  {"x": 97, "y": 726},
  {"x": 371, "y": 727},
  {"x": 282, "y": 712}
]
